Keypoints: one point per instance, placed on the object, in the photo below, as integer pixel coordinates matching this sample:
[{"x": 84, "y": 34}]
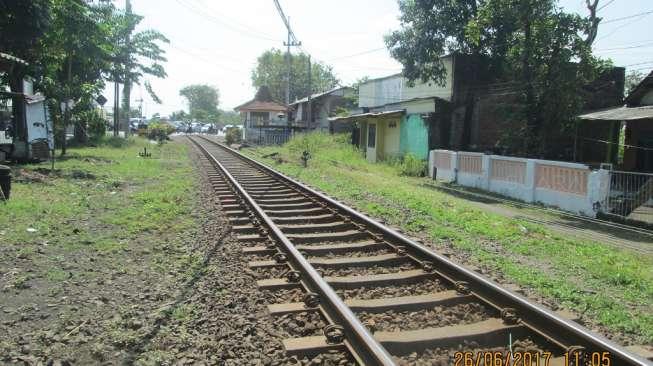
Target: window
[
  {"x": 371, "y": 135},
  {"x": 258, "y": 118}
]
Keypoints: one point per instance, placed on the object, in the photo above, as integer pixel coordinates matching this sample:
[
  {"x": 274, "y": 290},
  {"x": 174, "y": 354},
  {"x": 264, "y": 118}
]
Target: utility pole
[
  {"x": 126, "y": 90},
  {"x": 292, "y": 42},
  {"x": 310, "y": 93},
  {"x": 116, "y": 105}
]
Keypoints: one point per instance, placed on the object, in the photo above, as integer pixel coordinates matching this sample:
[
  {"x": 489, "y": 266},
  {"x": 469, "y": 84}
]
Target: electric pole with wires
[{"x": 292, "y": 42}]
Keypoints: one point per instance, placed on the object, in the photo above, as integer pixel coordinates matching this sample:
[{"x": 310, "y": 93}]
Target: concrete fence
[{"x": 569, "y": 186}]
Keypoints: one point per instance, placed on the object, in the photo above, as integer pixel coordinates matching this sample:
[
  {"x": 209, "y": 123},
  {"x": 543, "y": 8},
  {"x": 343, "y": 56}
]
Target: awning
[
  {"x": 620, "y": 114},
  {"x": 398, "y": 112}
]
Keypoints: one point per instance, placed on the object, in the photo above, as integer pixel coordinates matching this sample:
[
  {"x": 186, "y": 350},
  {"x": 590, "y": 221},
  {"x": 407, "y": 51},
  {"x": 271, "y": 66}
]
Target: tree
[
  {"x": 633, "y": 78},
  {"x": 202, "y": 102},
  {"x": 230, "y": 118},
  {"x": 271, "y": 70},
  {"x": 22, "y": 25},
  {"x": 137, "y": 54},
  {"x": 76, "y": 55},
  {"x": 530, "y": 43},
  {"x": 179, "y": 116}
]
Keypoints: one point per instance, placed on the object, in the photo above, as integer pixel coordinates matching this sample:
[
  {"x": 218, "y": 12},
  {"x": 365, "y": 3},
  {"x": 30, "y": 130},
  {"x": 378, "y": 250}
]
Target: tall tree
[
  {"x": 203, "y": 102},
  {"x": 137, "y": 54},
  {"x": 431, "y": 29},
  {"x": 532, "y": 43},
  {"x": 76, "y": 57},
  {"x": 271, "y": 71}
]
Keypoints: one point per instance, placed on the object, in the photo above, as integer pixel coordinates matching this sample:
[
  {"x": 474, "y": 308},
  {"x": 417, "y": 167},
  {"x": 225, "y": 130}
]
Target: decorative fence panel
[
  {"x": 443, "y": 160},
  {"x": 561, "y": 179},
  {"x": 508, "y": 170},
  {"x": 469, "y": 163}
]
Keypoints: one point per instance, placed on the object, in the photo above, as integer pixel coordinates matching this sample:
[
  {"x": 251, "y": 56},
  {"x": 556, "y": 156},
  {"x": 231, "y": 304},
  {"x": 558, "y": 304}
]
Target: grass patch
[
  {"x": 100, "y": 196},
  {"x": 611, "y": 286}
]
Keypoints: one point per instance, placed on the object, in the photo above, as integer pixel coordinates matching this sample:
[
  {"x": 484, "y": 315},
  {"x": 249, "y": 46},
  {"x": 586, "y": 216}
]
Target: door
[{"x": 371, "y": 143}]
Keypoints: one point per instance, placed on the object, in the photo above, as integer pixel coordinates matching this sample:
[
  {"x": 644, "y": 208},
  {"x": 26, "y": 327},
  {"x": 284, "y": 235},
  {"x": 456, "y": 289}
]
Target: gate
[{"x": 630, "y": 196}]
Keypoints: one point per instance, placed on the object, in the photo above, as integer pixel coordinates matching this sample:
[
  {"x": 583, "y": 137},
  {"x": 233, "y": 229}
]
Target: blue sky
[{"x": 216, "y": 42}]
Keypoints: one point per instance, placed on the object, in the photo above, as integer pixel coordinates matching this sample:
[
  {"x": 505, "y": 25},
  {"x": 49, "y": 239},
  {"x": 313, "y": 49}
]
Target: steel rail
[
  {"x": 363, "y": 343},
  {"x": 560, "y": 331}
]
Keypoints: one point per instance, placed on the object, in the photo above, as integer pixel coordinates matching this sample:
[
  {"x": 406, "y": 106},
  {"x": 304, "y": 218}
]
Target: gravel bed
[
  {"x": 304, "y": 324},
  {"x": 447, "y": 356},
  {"x": 270, "y": 272},
  {"x": 282, "y": 296},
  {"x": 366, "y": 271},
  {"x": 351, "y": 254},
  {"x": 258, "y": 257},
  {"x": 420, "y": 288},
  {"x": 220, "y": 317},
  {"x": 429, "y": 318}
]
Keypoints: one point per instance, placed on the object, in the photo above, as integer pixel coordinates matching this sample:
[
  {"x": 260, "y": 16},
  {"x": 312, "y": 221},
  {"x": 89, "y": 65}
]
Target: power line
[
  {"x": 604, "y": 6},
  {"x": 356, "y": 54},
  {"x": 216, "y": 20},
  {"x": 643, "y": 45},
  {"x": 627, "y": 17}
]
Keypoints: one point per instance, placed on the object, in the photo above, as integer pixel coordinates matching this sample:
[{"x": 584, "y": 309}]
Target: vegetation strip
[{"x": 609, "y": 287}]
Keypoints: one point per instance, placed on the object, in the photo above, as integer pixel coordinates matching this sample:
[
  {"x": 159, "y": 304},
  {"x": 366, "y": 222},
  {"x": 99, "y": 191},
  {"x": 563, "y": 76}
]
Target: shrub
[
  {"x": 97, "y": 128},
  {"x": 412, "y": 166},
  {"x": 233, "y": 135},
  {"x": 159, "y": 131}
]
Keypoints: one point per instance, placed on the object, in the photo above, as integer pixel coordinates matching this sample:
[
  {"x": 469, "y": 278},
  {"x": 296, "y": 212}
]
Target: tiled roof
[{"x": 256, "y": 105}]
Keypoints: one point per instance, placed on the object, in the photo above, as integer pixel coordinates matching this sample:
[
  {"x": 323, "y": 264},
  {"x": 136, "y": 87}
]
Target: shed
[{"x": 637, "y": 118}]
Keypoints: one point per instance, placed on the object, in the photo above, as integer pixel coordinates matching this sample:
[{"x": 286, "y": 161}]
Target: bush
[
  {"x": 159, "y": 131},
  {"x": 233, "y": 135},
  {"x": 97, "y": 128},
  {"x": 412, "y": 166},
  {"x": 115, "y": 141}
]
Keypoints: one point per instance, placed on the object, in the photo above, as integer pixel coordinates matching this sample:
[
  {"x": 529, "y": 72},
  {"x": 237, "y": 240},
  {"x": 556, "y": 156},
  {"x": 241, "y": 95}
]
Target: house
[
  {"x": 466, "y": 110},
  {"x": 398, "y": 117},
  {"x": 322, "y": 105},
  {"x": 264, "y": 120},
  {"x": 26, "y": 131},
  {"x": 635, "y": 118}
]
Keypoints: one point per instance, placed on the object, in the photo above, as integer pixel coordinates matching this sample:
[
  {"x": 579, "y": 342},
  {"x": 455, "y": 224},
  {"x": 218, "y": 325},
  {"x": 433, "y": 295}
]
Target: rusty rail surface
[{"x": 288, "y": 215}]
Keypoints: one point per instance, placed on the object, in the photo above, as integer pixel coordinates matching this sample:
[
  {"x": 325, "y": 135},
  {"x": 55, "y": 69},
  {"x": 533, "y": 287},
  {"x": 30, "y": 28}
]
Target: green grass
[
  {"x": 99, "y": 198},
  {"x": 610, "y": 286}
]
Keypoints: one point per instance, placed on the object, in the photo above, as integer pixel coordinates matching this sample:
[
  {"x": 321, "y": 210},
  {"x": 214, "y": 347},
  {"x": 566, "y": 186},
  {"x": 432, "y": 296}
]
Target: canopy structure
[
  {"x": 620, "y": 114},
  {"x": 370, "y": 114}
]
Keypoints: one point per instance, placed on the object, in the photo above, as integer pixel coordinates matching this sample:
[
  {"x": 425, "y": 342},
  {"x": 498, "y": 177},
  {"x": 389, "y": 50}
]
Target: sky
[{"x": 216, "y": 42}]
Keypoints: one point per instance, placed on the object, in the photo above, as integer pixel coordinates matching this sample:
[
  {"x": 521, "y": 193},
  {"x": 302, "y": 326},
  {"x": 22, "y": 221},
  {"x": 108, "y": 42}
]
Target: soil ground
[{"x": 117, "y": 260}]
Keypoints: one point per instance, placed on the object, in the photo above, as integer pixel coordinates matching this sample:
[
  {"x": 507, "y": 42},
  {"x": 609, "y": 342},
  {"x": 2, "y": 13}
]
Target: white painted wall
[
  {"x": 597, "y": 182},
  {"x": 394, "y": 89}
]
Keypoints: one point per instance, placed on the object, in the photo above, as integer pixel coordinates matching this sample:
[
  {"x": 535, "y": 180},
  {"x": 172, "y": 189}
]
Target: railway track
[{"x": 382, "y": 298}]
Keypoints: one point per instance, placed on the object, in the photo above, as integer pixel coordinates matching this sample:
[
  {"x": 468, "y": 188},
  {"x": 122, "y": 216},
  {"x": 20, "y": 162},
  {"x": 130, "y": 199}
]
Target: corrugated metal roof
[
  {"x": 620, "y": 114},
  {"x": 317, "y": 95},
  {"x": 9, "y": 57},
  {"x": 371, "y": 114}
]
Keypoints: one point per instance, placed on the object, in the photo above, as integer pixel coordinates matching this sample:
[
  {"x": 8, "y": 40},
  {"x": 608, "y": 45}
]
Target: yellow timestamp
[
  {"x": 502, "y": 359},
  {"x": 530, "y": 359}
]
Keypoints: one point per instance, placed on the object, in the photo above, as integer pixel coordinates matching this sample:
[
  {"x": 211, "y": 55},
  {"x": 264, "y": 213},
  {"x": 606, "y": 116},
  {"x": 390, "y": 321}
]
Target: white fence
[{"x": 569, "y": 186}]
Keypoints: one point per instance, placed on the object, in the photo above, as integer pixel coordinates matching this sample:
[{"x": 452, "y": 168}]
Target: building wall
[
  {"x": 647, "y": 99},
  {"x": 390, "y": 130},
  {"x": 395, "y": 89},
  {"x": 414, "y": 136}
]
